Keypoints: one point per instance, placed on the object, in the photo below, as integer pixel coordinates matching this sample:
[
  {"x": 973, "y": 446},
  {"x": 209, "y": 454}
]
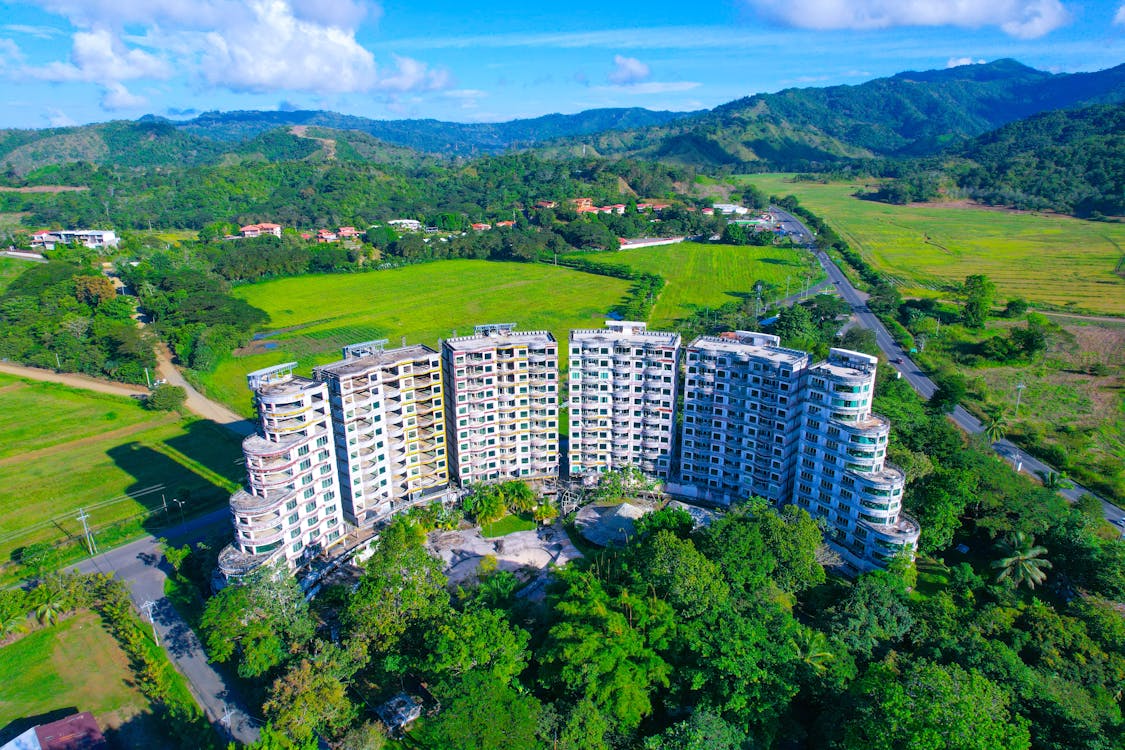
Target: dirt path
[
  {"x": 1076, "y": 316},
  {"x": 74, "y": 380},
  {"x": 302, "y": 131},
  {"x": 197, "y": 403}
]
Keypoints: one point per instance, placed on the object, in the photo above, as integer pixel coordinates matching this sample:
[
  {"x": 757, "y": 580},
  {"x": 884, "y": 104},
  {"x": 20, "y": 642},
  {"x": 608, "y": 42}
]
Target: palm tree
[
  {"x": 1055, "y": 480},
  {"x": 812, "y": 649},
  {"x": 1023, "y": 562},
  {"x": 996, "y": 425}
]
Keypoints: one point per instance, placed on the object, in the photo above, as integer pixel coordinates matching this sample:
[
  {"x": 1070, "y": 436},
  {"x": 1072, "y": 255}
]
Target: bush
[{"x": 167, "y": 398}]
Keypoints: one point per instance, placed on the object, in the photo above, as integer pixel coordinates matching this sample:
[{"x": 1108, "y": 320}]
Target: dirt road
[
  {"x": 73, "y": 379},
  {"x": 197, "y": 403}
]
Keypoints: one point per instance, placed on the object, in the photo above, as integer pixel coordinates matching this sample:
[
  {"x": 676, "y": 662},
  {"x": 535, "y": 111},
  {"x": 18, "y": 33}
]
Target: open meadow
[
  {"x": 1050, "y": 259},
  {"x": 10, "y": 268},
  {"x": 73, "y": 665},
  {"x": 311, "y": 317},
  {"x": 701, "y": 275},
  {"x": 72, "y": 449}
]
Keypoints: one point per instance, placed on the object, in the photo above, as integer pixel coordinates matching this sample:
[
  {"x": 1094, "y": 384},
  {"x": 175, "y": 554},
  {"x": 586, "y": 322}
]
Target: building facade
[
  {"x": 622, "y": 398},
  {"x": 842, "y": 473},
  {"x": 389, "y": 423},
  {"x": 290, "y": 508},
  {"x": 742, "y": 416},
  {"x": 502, "y": 389}
]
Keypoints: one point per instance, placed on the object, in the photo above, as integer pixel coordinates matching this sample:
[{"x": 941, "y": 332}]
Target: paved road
[
  {"x": 925, "y": 387},
  {"x": 143, "y": 568}
]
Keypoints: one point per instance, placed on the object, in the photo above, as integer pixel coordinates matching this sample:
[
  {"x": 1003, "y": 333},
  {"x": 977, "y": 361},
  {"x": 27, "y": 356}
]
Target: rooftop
[
  {"x": 757, "y": 345},
  {"x": 489, "y": 337},
  {"x": 625, "y": 331},
  {"x": 375, "y": 359}
]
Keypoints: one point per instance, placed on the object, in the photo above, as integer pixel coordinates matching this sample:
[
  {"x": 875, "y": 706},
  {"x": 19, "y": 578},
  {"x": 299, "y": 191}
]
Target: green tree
[
  {"x": 996, "y": 424},
  {"x": 306, "y": 701},
  {"x": 679, "y": 574},
  {"x": 873, "y": 614},
  {"x": 370, "y": 735},
  {"x": 702, "y": 731},
  {"x": 167, "y": 398},
  {"x": 479, "y": 640},
  {"x": 951, "y": 390},
  {"x": 480, "y": 712},
  {"x": 1022, "y": 561},
  {"x": 932, "y": 707},
  {"x": 402, "y": 586},
  {"x": 978, "y": 294}
]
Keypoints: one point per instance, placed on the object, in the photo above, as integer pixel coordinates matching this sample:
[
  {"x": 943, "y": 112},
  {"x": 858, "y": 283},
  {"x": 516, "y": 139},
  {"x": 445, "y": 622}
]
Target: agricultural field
[
  {"x": 1049, "y": 259},
  {"x": 74, "y": 664},
  {"x": 72, "y": 448},
  {"x": 701, "y": 275},
  {"x": 313, "y": 316}
]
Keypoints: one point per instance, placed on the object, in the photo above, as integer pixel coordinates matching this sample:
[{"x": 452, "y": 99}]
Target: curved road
[{"x": 925, "y": 387}]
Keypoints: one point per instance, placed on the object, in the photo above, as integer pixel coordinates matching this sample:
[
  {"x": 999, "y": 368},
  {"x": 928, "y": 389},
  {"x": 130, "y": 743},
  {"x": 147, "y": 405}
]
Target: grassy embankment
[
  {"x": 1052, "y": 260},
  {"x": 702, "y": 275},
  {"x": 318, "y": 314},
  {"x": 70, "y": 448}
]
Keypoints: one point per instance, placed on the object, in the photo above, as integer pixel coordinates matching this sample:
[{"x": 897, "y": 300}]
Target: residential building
[
  {"x": 622, "y": 398},
  {"x": 389, "y": 423},
  {"x": 842, "y": 473},
  {"x": 742, "y": 417},
  {"x": 410, "y": 225},
  {"x": 502, "y": 404},
  {"x": 290, "y": 508},
  {"x": 91, "y": 238},
  {"x": 260, "y": 230}
]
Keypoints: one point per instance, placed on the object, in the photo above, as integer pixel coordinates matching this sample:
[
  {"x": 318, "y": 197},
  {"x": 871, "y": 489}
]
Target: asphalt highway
[{"x": 925, "y": 387}]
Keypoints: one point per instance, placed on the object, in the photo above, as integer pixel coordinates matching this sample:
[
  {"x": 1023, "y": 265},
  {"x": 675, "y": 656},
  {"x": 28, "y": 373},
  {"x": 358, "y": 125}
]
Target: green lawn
[
  {"x": 10, "y": 268},
  {"x": 1049, "y": 259},
  {"x": 73, "y": 665},
  {"x": 506, "y": 525},
  {"x": 81, "y": 449},
  {"x": 424, "y": 303},
  {"x": 701, "y": 275}
]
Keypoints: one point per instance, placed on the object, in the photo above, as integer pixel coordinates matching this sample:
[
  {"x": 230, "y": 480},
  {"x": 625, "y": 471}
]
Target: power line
[{"x": 82, "y": 516}]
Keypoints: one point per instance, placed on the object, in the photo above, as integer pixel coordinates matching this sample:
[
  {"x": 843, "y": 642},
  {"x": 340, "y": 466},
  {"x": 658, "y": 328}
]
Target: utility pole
[
  {"x": 181, "y": 504},
  {"x": 787, "y": 286},
  {"x": 147, "y": 380},
  {"x": 58, "y": 362},
  {"x": 82, "y": 516},
  {"x": 148, "y": 607},
  {"x": 1019, "y": 392}
]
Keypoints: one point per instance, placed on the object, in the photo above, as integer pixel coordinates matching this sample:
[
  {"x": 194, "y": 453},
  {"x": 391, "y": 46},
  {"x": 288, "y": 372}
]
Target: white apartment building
[
  {"x": 502, "y": 404},
  {"x": 290, "y": 509},
  {"x": 842, "y": 474},
  {"x": 91, "y": 238},
  {"x": 742, "y": 417},
  {"x": 622, "y": 398},
  {"x": 389, "y": 421}
]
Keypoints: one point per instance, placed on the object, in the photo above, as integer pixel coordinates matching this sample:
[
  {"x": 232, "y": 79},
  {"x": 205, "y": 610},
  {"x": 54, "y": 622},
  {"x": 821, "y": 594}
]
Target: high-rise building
[
  {"x": 742, "y": 416},
  {"x": 761, "y": 420},
  {"x": 622, "y": 398},
  {"x": 842, "y": 473},
  {"x": 389, "y": 423},
  {"x": 502, "y": 404},
  {"x": 290, "y": 509}
]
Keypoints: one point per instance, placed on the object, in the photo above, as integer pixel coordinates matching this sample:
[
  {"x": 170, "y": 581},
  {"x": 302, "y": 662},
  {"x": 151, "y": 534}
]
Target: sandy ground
[
  {"x": 528, "y": 554},
  {"x": 73, "y": 379}
]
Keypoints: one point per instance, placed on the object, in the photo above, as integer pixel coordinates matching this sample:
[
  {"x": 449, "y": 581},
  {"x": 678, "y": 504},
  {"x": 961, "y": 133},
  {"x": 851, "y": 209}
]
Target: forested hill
[
  {"x": 909, "y": 114},
  {"x": 223, "y": 137}
]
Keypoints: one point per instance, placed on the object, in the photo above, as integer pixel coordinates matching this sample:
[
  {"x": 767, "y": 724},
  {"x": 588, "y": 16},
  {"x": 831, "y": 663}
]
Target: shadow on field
[{"x": 17, "y": 727}]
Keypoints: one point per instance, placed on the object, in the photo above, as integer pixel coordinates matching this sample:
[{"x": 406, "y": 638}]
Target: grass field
[
  {"x": 316, "y": 315},
  {"x": 10, "y": 268},
  {"x": 74, "y": 665},
  {"x": 507, "y": 525},
  {"x": 1055, "y": 260},
  {"x": 75, "y": 449},
  {"x": 700, "y": 275}
]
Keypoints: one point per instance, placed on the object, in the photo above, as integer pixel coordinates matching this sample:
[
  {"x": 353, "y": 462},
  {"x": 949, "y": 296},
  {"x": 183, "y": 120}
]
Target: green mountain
[
  {"x": 909, "y": 114},
  {"x": 1067, "y": 160}
]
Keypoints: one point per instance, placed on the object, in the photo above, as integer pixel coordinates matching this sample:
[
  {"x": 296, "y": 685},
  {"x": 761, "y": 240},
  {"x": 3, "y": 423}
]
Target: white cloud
[
  {"x": 627, "y": 70},
  {"x": 56, "y": 118},
  {"x": 10, "y": 52},
  {"x": 98, "y": 56},
  {"x": 118, "y": 97},
  {"x": 956, "y": 62},
  {"x": 38, "y": 32},
  {"x": 1025, "y": 19},
  {"x": 1119, "y": 18},
  {"x": 242, "y": 45}
]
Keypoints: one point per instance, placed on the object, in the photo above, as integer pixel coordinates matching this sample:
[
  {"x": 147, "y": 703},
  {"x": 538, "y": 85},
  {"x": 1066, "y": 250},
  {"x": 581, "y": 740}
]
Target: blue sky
[{"x": 76, "y": 61}]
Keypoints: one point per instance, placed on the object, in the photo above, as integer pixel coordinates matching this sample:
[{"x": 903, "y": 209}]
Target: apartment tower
[
  {"x": 742, "y": 417},
  {"x": 290, "y": 508},
  {"x": 622, "y": 398},
  {"x": 502, "y": 404},
  {"x": 389, "y": 423},
  {"x": 842, "y": 474}
]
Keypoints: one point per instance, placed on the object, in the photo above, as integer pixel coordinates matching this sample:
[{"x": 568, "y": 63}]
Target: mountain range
[{"x": 908, "y": 114}]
